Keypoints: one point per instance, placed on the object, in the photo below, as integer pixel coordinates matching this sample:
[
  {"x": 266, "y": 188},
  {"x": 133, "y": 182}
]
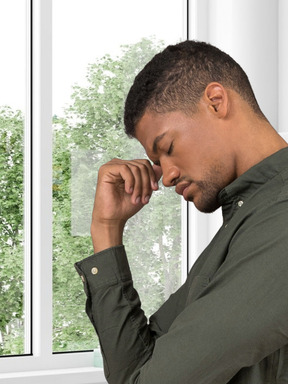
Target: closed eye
[{"x": 170, "y": 150}]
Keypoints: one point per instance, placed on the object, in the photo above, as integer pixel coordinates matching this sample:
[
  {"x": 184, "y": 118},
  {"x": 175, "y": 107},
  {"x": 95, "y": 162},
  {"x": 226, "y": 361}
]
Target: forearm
[{"x": 113, "y": 307}]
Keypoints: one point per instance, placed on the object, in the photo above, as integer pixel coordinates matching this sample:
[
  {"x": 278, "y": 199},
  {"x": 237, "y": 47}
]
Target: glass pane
[
  {"x": 98, "y": 48},
  {"x": 12, "y": 231}
]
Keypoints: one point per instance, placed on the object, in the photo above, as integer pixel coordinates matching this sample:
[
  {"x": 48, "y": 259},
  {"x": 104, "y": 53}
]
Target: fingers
[
  {"x": 142, "y": 182},
  {"x": 139, "y": 178}
]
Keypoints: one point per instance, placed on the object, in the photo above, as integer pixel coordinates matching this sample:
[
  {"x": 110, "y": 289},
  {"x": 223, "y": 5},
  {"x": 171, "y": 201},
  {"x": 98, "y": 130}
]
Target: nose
[{"x": 170, "y": 175}]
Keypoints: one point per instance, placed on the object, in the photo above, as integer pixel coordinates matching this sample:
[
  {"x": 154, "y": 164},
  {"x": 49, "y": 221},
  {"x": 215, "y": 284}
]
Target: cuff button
[{"x": 94, "y": 271}]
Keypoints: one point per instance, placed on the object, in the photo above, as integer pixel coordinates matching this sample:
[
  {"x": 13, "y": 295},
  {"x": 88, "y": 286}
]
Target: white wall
[
  {"x": 283, "y": 67},
  {"x": 255, "y": 34}
]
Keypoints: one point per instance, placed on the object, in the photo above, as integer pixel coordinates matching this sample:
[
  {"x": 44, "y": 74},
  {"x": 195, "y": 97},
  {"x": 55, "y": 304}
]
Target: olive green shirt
[{"x": 229, "y": 322}]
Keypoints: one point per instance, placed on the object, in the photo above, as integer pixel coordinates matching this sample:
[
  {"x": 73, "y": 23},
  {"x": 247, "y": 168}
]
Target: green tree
[
  {"x": 11, "y": 230},
  {"x": 93, "y": 131}
]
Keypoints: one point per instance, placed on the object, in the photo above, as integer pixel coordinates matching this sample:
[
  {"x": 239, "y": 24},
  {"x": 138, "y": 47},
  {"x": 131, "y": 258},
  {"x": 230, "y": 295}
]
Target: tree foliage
[
  {"x": 90, "y": 132},
  {"x": 11, "y": 230},
  {"x": 93, "y": 130}
]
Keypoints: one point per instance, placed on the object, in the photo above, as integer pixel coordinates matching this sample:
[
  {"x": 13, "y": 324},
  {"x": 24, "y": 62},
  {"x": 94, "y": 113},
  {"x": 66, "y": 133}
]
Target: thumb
[{"x": 158, "y": 171}]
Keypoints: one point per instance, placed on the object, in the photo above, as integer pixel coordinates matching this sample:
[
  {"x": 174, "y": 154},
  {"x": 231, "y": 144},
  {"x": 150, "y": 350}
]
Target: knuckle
[
  {"x": 102, "y": 169},
  {"x": 124, "y": 166},
  {"x": 147, "y": 163},
  {"x": 135, "y": 168}
]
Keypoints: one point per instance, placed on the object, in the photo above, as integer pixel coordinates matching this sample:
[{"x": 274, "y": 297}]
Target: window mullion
[
  {"x": 42, "y": 178},
  {"x": 27, "y": 183}
]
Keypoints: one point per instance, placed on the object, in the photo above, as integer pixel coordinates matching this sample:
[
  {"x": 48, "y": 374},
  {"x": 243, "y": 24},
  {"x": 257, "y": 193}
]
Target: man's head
[
  {"x": 193, "y": 110},
  {"x": 176, "y": 78}
]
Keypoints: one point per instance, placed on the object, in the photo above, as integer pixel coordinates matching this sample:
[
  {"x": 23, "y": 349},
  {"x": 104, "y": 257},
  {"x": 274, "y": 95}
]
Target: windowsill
[{"x": 84, "y": 375}]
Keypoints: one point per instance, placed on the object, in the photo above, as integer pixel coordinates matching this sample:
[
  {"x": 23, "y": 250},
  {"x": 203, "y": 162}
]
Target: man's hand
[{"x": 123, "y": 188}]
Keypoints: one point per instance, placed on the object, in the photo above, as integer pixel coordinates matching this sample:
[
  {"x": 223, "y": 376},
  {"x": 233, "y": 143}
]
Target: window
[
  {"x": 14, "y": 184},
  {"x": 76, "y": 126},
  {"x": 88, "y": 130}
]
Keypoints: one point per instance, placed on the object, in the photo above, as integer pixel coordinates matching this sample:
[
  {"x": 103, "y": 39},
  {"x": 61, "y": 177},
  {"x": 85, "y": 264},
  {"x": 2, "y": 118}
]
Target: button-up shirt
[{"x": 228, "y": 323}]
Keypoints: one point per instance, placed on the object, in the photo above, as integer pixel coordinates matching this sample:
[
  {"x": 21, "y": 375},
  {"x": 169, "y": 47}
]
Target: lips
[{"x": 180, "y": 188}]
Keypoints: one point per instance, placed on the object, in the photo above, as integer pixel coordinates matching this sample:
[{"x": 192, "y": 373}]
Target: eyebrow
[{"x": 156, "y": 141}]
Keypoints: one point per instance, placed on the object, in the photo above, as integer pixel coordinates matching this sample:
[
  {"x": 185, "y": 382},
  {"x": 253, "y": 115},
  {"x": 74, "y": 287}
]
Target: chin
[{"x": 206, "y": 206}]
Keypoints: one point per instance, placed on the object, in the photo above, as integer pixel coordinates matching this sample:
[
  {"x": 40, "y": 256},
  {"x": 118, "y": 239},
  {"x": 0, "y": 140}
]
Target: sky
[
  {"x": 82, "y": 31},
  {"x": 13, "y": 55},
  {"x": 96, "y": 27}
]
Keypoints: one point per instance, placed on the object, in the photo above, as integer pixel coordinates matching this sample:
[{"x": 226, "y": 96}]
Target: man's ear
[{"x": 216, "y": 97}]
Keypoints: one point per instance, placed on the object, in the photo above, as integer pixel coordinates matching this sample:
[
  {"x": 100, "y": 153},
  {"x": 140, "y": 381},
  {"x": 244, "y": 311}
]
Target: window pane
[
  {"x": 12, "y": 198},
  {"x": 98, "y": 48}
]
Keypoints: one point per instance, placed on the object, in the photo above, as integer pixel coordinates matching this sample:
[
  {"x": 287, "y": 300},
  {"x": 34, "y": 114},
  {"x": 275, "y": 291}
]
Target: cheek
[
  {"x": 199, "y": 155},
  {"x": 195, "y": 163}
]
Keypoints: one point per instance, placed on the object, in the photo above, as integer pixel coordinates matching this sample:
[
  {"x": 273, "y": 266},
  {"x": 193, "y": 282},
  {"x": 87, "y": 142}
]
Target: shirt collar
[{"x": 234, "y": 195}]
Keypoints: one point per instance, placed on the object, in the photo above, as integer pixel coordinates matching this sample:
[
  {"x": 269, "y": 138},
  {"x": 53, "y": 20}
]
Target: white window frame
[{"x": 42, "y": 366}]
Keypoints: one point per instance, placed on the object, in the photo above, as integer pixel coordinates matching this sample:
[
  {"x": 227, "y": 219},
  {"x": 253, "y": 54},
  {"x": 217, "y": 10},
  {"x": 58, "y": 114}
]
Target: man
[{"x": 193, "y": 110}]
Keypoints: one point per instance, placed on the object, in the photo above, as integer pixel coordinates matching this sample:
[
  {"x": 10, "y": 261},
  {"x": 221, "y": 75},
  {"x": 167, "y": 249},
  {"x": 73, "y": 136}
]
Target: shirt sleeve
[
  {"x": 114, "y": 308},
  {"x": 238, "y": 318}
]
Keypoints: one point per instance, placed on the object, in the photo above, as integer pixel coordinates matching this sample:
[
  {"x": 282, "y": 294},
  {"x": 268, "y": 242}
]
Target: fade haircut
[{"x": 176, "y": 78}]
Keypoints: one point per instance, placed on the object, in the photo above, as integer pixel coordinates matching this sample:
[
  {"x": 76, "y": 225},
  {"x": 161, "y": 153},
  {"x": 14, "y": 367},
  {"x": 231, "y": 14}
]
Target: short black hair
[{"x": 176, "y": 78}]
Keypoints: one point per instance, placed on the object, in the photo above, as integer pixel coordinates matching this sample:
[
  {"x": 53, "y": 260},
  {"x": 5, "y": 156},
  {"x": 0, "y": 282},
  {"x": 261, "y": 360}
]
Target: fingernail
[
  {"x": 155, "y": 184},
  {"x": 138, "y": 199},
  {"x": 147, "y": 198}
]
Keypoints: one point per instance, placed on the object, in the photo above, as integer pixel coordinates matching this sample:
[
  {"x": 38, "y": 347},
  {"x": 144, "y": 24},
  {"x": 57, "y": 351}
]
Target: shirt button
[
  {"x": 240, "y": 203},
  {"x": 94, "y": 271}
]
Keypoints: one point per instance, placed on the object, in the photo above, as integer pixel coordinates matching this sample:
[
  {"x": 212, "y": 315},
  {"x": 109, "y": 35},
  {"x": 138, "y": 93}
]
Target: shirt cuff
[{"x": 105, "y": 268}]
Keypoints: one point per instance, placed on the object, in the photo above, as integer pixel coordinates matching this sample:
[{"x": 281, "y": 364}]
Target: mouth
[{"x": 182, "y": 189}]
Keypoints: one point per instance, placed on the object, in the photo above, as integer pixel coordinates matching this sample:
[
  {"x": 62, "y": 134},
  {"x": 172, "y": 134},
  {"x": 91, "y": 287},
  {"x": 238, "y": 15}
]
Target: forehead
[{"x": 154, "y": 126}]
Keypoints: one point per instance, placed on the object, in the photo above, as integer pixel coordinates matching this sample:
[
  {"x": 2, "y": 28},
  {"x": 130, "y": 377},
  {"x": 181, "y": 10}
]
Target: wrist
[{"x": 106, "y": 235}]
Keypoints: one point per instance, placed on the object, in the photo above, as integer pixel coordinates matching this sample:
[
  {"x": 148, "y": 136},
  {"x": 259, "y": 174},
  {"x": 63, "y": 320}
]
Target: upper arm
[{"x": 240, "y": 317}]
